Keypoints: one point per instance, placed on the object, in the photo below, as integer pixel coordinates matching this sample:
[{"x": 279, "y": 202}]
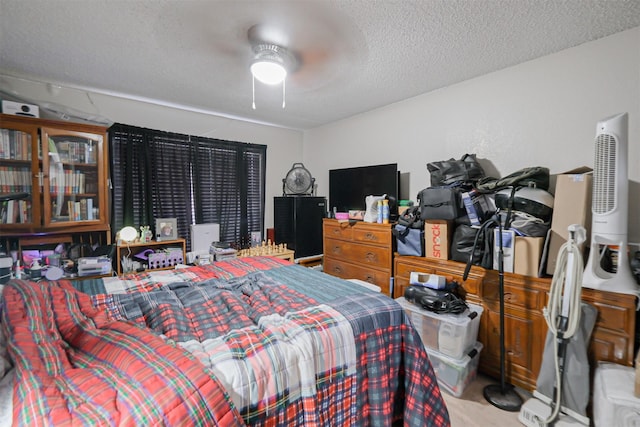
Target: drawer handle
[
  {"x": 371, "y": 257},
  {"x": 515, "y": 354},
  {"x": 370, "y": 236},
  {"x": 336, "y": 231},
  {"x": 508, "y": 297},
  {"x": 370, "y": 280},
  {"x": 337, "y": 250},
  {"x": 337, "y": 269}
]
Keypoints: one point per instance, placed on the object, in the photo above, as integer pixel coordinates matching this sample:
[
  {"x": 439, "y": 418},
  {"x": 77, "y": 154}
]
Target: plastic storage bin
[
  {"x": 454, "y": 375},
  {"x": 450, "y": 334}
]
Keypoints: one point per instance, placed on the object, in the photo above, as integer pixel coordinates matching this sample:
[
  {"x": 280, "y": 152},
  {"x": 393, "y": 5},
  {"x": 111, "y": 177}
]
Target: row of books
[
  {"x": 82, "y": 210},
  {"x": 15, "y": 144},
  {"x": 15, "y": 179},
  {"x": 15, "y": 212},
  {"x": 66, "y": 181},
  {"x": 74, "y": 151}
]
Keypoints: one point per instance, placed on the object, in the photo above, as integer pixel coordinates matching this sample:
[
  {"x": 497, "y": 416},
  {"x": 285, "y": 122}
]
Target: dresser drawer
[
  {"x": 365, "y": 255},
  {"x": 345, "y": 270},
  {"x": 374, "y": 237},
  {"x": 404, "y": 269},
  {"x": 611, "y": 347},
  {"x": 515, "y": 295},
  {"x": 612, "y": 317},
  {"x": 338, "y": 230}
]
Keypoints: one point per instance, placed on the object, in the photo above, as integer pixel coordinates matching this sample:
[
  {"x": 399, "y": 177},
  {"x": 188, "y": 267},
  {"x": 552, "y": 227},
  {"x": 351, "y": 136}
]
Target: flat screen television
[{"x": 348, "y": 187}]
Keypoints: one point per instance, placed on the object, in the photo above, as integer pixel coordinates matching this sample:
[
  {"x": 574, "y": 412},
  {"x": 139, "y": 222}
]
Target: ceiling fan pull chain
[
  {"x": 283, "y": 94},
  {"x": 253, "y": 92}
]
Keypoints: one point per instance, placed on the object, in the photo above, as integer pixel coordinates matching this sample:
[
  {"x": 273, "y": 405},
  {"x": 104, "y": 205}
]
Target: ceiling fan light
[{"x": 268, "y": 72}]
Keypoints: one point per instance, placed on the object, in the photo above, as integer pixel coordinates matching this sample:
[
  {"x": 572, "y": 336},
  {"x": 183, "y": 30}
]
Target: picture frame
[{"x": 166, "y": 229}]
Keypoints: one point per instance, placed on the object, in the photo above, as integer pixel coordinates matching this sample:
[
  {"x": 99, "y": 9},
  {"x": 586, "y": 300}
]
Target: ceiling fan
[{"x": 320, "y": 42}]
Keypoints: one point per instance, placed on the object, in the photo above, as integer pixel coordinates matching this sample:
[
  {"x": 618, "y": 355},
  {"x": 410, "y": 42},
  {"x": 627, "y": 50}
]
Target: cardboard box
[
  {"x": 527, "y": 255},
  {"x": 20, "y": 109},
  {"x": 437, "y": 238},
  {"x": 571, "y": 205}
]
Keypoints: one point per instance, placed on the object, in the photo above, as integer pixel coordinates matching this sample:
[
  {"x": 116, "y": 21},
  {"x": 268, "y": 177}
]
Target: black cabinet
[{"x": 298, "y": 223}]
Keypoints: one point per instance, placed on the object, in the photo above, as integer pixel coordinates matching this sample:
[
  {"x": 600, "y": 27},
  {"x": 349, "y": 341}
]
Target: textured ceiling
[{"x": 354, "y": 55}]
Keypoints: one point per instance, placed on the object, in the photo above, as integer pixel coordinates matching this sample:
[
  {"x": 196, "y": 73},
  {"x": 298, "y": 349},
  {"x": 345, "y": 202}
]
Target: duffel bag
[
  {"x": 446, "y": 172},
  {"x": 462, "y": 245},
  {"x": 411, "y": 218},
  {"x": 409, "y": 241},
  {"x": 441, "y": 203},
  {"x": 535, "y": 176}
]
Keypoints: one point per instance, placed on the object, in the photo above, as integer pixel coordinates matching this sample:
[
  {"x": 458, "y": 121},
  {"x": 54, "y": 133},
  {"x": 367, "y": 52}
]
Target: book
[
  {"x": 11, "y": 211},
  {"x": 83, "y": 209},
  {"x": 24, "y": 211},
  {"x": 90, "y": 209}
]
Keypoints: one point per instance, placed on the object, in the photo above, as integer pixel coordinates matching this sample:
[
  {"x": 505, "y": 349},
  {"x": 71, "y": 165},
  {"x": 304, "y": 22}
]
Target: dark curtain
[{"x": 196, "y": 180}]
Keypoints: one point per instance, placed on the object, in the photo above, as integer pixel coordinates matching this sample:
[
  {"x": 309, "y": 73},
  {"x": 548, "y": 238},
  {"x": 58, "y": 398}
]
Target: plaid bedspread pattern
[
  {"x": 392, "y": 380},
  {"x": 271, "y": 347},
  {"x": 395, "y": 378},
  {"x": 386, "y": 380},
  {"x": 75, "y": 366}
]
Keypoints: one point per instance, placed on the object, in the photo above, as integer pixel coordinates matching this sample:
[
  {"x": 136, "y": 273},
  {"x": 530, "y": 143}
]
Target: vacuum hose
[{"x": 564, "y": 308}]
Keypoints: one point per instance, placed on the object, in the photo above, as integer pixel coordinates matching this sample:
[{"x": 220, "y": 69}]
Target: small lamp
[{"x": 127, "y": 234}]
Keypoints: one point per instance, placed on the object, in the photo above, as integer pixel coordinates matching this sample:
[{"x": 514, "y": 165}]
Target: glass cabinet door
[
  {"x": 19, "y": 193},
  {"x": 73, "y": 171}
]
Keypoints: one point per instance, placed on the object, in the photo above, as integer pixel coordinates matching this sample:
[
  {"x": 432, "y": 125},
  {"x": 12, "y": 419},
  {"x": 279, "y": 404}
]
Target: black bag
[
  {"x": 535, "y": 176},
  {"x": 446, "y": 172},
  {"x": 411, "y": 218},
  {"x": 479, "y": 241},
  {"x": 441, "y": 203},
  {"x": 409, "y": 241}
]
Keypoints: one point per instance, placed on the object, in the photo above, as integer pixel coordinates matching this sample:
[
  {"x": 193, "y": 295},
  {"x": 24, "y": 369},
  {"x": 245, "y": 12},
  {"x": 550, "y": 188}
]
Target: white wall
[
  {"x": 540, "y": 113},
  {"x": 284, "y": 146}
]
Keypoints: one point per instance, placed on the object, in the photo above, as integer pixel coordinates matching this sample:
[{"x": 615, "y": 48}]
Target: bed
[{"x": 248, "y": 341}]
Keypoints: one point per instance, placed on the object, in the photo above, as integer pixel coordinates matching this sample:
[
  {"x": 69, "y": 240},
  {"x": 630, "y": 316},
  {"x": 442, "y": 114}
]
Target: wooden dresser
[
  {"x": 359, "y": 250},
  {"x": 525, "y": 328}
]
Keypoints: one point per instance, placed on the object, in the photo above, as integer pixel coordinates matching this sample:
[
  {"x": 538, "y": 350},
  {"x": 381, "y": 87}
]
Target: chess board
[{"x": 268, "y": 248}]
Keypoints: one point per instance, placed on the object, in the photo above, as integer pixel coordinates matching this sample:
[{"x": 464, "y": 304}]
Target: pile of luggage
[{"x": 477, "y": 215}]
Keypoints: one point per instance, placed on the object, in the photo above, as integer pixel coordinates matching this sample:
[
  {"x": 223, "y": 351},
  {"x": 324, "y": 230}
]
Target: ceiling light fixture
[{"x": 269, "y": 66}]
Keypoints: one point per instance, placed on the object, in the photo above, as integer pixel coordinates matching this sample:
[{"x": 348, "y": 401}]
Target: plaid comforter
[{"x": 285, "y": 345}]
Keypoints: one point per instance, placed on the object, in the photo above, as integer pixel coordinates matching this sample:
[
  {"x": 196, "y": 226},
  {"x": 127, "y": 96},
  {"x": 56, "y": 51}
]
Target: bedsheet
[{"x": 278, "y": 344}]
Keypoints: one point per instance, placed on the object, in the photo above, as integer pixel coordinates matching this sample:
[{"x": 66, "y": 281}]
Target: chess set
[{"x": 265, "y": 249}]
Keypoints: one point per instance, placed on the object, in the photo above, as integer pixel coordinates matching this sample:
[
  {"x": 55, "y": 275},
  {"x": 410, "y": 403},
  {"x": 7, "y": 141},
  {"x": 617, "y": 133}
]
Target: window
[{"x": 197, "y": 180}]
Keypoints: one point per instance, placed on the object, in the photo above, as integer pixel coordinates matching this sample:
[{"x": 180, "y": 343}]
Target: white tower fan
[{"x": 609, "y": 207}]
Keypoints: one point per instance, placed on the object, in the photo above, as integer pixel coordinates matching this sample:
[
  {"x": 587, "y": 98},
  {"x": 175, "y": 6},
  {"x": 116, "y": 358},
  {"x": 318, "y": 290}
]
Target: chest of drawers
[{"x": 359, "y": 250}]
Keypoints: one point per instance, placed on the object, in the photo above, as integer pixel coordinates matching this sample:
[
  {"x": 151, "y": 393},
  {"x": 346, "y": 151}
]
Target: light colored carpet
[{"x": 473, "y": 410}]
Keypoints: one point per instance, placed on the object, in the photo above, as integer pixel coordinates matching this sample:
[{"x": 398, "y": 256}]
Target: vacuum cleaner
[{"x": 562, "y": 390}]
